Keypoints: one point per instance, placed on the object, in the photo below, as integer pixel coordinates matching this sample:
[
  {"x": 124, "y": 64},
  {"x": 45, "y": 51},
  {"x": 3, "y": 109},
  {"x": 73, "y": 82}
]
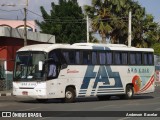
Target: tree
[
  {"x": 120, "y": 9},
  {"x": 104, "y": 19},
  {"x": 110, "y": 19},
  {"x": 65, "y": 21},
  {"x": 99, "y": 13},
  {"x": 155, "y": 38}
]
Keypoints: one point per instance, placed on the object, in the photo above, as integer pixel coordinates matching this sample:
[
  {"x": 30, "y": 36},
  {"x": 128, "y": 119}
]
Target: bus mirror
[{"x": 40, "y": 65}]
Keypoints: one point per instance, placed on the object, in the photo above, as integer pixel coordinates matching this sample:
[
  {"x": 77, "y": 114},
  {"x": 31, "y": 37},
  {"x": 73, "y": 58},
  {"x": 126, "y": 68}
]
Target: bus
[{"x": 68, "y": 72}]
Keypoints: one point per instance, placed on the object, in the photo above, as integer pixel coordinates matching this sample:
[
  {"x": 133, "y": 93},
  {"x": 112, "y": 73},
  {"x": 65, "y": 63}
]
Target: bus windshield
[{"x": 27, "y": 66}]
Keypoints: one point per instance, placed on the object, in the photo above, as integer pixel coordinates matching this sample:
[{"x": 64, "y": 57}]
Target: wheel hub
[{"x": 68, "y": 94}]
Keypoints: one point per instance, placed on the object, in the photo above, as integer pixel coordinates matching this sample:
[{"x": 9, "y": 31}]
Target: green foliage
[
  {"x": 155, "y": 39},
  {"x": 156, "y": 48},
  {"x": 65, "y": 21},
  {"x": 110, "y": 19}
]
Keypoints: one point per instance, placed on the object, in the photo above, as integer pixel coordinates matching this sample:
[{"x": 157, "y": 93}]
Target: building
[
  {"x": 11, "y": 39},
  {"x": 19, "y": 24}
]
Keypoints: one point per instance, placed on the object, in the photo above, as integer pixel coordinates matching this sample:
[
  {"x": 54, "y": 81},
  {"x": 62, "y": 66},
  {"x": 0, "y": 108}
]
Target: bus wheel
[
  {"x": 129, "y": 92},
  {"x": 42, "y": 100},
  {"x": 70, "y": 95}
]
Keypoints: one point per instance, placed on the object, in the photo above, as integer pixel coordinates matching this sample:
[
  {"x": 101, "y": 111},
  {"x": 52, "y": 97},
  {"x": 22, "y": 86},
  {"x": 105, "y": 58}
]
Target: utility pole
[
  {"x": 87, "y": 29},
  {"x": 129, "y": 29},
  {"x": 25, "y": 23}
]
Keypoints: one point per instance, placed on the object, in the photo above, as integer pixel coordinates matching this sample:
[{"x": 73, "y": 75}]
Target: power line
[
  {"x": 3, "y": 18},
  {"x": 32, "y": 24},
  {"x": 72, "y": 19},
  {"x": 55, "y": 20},
  {"x": 68, "y": 22},
  {"x": 10, "y": 10},
  {"x": 8, "y": 19},
  {"x": 66, "y": 18},
  {"x": 34, "y": 13}
]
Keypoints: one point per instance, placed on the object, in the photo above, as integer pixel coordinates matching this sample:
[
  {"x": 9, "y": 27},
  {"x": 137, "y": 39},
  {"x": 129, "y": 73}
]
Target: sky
[
  {"x": 152, "y": 7},
  {"x": 17, "y": 12}
]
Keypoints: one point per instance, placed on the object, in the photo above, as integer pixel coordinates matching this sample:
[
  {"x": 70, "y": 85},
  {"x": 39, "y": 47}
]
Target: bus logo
[{"x": 103, "y": 78}]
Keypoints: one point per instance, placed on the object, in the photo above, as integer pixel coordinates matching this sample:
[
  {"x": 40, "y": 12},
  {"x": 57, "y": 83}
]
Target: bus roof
[{"x": 49, "y": 47}]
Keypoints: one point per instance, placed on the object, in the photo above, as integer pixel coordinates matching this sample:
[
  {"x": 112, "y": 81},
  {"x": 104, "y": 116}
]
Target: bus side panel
[
  {"x": 112, "y": 80},
  {"x": 101, "y": 80},
  {"x": 70, "y": 76},
  {"x": 142, "y": 78},
  {"x": 93, "y": 80}
]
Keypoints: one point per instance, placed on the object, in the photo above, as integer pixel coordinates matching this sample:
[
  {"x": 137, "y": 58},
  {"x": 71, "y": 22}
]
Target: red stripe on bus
[{"x": 148, "y": 84}]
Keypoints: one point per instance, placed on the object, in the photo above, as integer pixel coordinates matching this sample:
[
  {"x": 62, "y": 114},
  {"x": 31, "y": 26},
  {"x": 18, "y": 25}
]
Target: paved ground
[{"x": 83, "y": 107}]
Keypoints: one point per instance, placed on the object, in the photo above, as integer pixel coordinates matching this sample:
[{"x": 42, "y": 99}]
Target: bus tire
[
  {"x": 42, "y": 100},
  {"x": 129, "y": 92},
  {"x": 70, "y": 95}
]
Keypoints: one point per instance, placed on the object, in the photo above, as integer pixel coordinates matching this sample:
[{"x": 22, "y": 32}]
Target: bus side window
[
  {"x": 102, "y": 59},
  {"x": 139, "y": 58},
  {"x": 86, "y": 57},
  {"x": 54, "y": 64},
  {"x": 145, "y": 59},
  {"x": 53, "y": 55},
  {"x": 77, "y": 60},
  {"x": 94, "y": 58},
  {"x": 66, "y": 56},
  {"x": 71, "y": 57},
  {"x": 117, "y": 58},
  {"x": 124, "y": 57},
  {"x": 132, "y": 58},
  {"x": 150, "y": 59},
  {"x": 109, "y": 58}
]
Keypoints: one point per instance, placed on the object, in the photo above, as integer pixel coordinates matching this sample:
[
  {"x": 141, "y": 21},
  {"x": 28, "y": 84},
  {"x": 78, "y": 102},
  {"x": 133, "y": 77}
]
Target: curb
[{"x": 5, "y": 94}]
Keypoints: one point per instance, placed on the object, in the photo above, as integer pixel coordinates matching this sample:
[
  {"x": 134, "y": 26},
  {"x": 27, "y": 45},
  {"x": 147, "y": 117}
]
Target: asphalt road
[{"x": 84, "y": 108}]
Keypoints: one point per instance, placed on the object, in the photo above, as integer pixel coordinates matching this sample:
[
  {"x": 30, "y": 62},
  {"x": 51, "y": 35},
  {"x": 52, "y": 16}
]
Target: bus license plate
[{"x": 24, "y": 93}]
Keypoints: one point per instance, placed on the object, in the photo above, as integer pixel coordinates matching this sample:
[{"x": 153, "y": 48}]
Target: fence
[{"x": 5, "y": 78}]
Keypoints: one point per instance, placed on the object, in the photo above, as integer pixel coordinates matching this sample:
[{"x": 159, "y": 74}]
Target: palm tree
[
  {"x": 119, "y": 24},
  {"x": 106, "y": 19},
  {"x": 110, "y": 19},
  {"x": 100, "y": 13},
  {"x": 137, "y": 25},
  {"x": 99, "y": 24}
]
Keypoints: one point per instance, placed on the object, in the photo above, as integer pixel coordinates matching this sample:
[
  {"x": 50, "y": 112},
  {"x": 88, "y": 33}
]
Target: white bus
[{"x": 47, "y": 71}]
